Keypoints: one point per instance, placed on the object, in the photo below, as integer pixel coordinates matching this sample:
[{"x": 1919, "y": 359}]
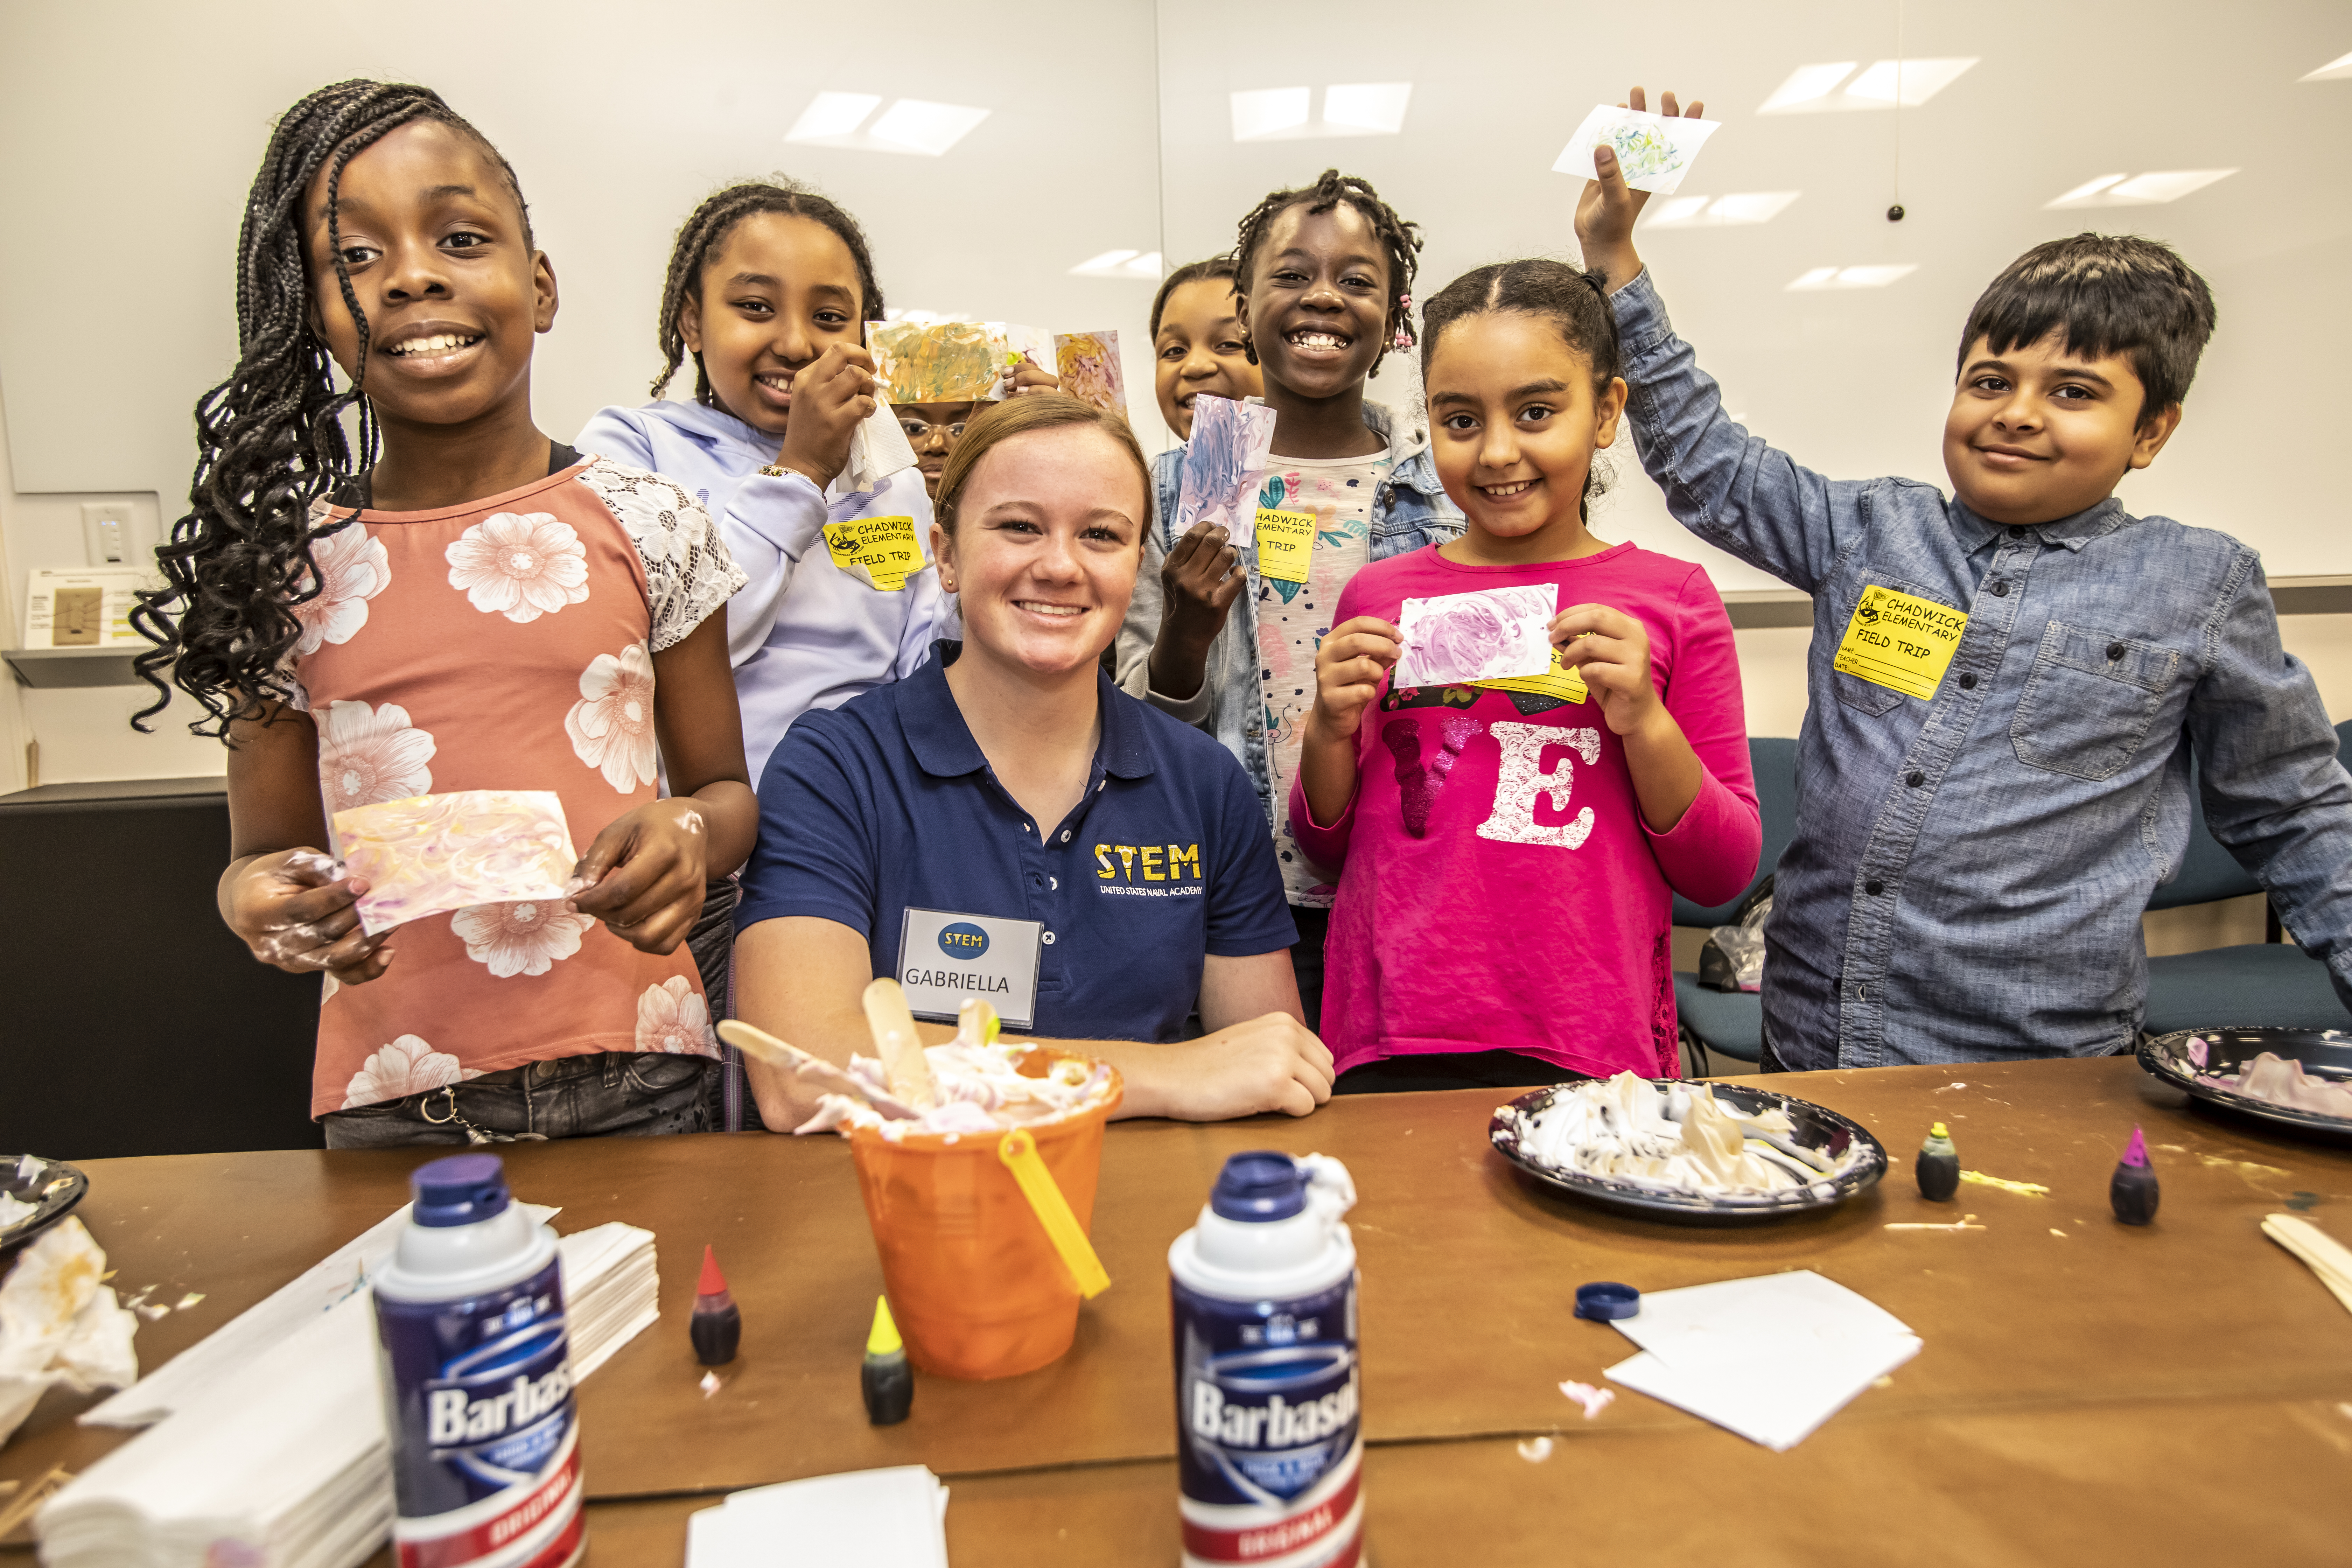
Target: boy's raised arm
[
  {"x": 2275, "y": 793},
  {"x": 1731, "y": 489}
]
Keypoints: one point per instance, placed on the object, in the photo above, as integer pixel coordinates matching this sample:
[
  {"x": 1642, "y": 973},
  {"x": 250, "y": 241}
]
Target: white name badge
[{"x": 944, "y": 958}]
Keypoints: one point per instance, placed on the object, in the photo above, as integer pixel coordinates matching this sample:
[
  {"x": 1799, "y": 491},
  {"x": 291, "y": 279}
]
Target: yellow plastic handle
[{"x": 1018, "y": 1150}]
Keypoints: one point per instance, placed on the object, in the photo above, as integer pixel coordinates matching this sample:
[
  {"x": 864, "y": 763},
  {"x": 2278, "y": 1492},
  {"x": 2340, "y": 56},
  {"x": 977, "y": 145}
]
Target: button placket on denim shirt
[{"x": 1952, "y": 715}]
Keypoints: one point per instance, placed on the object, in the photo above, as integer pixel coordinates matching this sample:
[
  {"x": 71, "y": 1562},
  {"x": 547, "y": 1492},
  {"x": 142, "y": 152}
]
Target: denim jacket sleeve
[
  {"x": 1733, "y": 489},
  {"x": 2275, "y": 793}
]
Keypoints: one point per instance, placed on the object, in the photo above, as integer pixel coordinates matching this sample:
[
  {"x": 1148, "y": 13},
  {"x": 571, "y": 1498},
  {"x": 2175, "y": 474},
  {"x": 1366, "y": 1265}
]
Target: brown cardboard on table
[{"x": 2088, "y": 1391}]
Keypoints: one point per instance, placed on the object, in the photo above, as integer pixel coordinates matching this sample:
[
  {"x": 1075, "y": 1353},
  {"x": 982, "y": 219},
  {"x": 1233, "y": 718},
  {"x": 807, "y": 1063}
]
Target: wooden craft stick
[
  {"x": 2327, "y": 1257},
  {"x": 899, "y": 1047}
]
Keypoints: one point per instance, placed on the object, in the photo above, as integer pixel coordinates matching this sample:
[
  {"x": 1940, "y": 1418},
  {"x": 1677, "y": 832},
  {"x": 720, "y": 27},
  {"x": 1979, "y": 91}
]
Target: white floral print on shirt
[
  {"x": 352, "y": 569},
  {"x": 611, "y": 725},
  {"x": 673, "y": 1017},
  {"x": 407, "y": 1065},
  {"x": 521, "y": 566},
  {"x": 520, "y": 938},
  {"x": 367, "y": 755}
]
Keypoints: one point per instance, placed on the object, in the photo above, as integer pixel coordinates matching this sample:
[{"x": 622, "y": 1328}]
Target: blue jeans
[{"x": 609, "y": 1094}]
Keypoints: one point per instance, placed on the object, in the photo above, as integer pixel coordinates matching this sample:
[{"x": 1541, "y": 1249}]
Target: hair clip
[{"x": 1403, "y": 338}]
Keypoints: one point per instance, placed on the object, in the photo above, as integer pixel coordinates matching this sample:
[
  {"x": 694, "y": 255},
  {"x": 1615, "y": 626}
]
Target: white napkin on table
[
  {"x": 894, "y": 1518},
  {"x": 1769, "y": 1358}
]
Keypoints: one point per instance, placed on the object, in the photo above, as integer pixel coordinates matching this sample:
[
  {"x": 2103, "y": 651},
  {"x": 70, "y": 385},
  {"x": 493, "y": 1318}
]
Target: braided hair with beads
[
  {"x": 270, "y": 439},
  {"x": 1398, "y": 236},
  {"x": 706, "y": 230}
]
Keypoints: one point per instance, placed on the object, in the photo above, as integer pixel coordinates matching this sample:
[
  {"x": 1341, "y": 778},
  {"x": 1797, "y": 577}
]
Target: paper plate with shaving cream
[
  {"x": 2294, "y": 1077},
  {"x": 1688, "y": 1151},
  {"x": 35, "y": 1193}
]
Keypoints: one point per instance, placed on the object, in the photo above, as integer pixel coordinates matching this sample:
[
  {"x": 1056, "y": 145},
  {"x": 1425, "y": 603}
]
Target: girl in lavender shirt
[{"x": 1508, "y": 856}]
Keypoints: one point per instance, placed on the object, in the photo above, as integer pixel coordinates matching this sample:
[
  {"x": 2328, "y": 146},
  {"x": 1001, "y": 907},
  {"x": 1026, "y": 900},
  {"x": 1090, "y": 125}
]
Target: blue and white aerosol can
[
  {"x": 1269, "y": 1433},
  {"x": 478, "y": 1379}
]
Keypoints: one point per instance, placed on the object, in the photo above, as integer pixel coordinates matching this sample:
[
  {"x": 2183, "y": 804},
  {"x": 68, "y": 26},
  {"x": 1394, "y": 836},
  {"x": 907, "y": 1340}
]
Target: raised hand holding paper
[
  {"x": 1655, "y": 151},
  {"x": 1493, "y": 634},
  {"x": 1222, "y": 464},
  {"x": 435, "y": 854}
]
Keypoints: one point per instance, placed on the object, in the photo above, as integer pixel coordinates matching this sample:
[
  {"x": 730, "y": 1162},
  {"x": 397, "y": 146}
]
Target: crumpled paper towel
[{"x": 59, "y": 1325}]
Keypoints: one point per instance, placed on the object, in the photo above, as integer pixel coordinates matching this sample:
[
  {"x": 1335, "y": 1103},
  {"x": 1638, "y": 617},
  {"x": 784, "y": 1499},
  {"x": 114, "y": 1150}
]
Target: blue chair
[
  {"x": 2272, "y": 985},
  {"x": 1731, "y": 1023}
]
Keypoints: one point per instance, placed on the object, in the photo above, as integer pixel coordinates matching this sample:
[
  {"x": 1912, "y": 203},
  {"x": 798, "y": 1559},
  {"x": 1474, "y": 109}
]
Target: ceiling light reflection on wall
[
  {"x": 2152, "y": 189},
  {"x": 1350, "y": 108},
  {"x": 2338, "y": 70},
  {"x": 912, "y": 125},
  {"x": 1824, "y": 278},
  {"x": 1882, "y": 84},
  {"x": 1719, "y": 212},
  {"x": 1145, "y": 264}
]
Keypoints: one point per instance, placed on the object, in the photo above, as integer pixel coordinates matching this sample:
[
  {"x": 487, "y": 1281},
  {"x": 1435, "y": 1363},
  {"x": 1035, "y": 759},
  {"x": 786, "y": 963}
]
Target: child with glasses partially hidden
[
  {"x": 2008, "y": 687},
  {"x": 934, "y": 429}
]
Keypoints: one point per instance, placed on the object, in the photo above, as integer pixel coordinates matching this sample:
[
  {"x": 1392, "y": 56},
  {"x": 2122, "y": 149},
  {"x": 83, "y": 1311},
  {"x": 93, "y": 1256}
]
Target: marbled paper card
[
  {"x": 1653, "y": 151},
  {"x": 1087, "y": 365},
  {"x": 435, "y": 854},
  {"x": 1222, "y": 464},
  {"x": 1494, "y": 633}
]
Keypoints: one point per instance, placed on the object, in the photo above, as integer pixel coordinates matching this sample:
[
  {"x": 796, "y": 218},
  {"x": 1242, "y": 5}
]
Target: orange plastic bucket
[{"x": 975, "y": 1283}]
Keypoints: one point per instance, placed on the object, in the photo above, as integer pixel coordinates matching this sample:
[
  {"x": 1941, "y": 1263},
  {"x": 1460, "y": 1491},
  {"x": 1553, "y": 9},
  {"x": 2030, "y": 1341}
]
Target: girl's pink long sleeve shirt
[{"x": 1498, "y": 887}]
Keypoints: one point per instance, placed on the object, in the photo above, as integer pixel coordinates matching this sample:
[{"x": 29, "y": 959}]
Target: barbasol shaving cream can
[
  {"x": 478, "y": 1380},
  {"x": 1270, "y": 1442}
]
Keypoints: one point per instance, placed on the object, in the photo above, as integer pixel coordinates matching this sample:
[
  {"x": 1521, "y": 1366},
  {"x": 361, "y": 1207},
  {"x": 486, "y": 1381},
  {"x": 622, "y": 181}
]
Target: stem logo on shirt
[{"x": 1131, "y": 869}]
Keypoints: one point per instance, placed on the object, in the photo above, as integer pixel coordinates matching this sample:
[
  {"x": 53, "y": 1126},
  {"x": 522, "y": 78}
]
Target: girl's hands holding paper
[
  {"x": 1611, "y": 650},
  {"x": 831, "y": 396},
  {"x": 644, "y": 876},
  {"x": 297, "y": 911},
  {"x": 1606, "y": 211},
  {"x": 1199, "y": 581},
  {"x": 1348, "y": 670}
]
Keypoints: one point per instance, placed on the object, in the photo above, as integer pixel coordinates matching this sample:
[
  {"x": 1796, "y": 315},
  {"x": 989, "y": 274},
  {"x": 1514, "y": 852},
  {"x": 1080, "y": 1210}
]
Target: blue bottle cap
[
  {"x": 1604, "y": 1300},
  {"x": 460, "y": 1190},
  {"x": 1259, "y": 1185}
]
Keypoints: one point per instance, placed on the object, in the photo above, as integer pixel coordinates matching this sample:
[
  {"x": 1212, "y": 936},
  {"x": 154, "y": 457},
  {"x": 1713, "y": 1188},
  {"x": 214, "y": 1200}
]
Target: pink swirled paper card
[
  {"x": 433, "y": 854},
  {"x": 1494, "y": 633}
]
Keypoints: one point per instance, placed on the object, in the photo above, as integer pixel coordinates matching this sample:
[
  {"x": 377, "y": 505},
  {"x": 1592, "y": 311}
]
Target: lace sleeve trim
[{"x": 688, "y": 574}]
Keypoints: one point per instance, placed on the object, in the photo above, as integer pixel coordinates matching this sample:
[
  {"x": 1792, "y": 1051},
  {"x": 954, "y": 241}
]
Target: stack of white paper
[
  {"x": 876, "y": 1519},
  {"x": 275, "y": 1454},
  {"x": 1769, "y": 1358}
]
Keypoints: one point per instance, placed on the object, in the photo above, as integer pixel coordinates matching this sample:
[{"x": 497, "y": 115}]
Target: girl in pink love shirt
[{"x": 1509, "y": 850}]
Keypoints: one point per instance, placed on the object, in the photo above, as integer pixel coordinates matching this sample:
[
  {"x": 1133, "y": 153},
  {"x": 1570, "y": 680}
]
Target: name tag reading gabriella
[{"x": 944, "y": 957}]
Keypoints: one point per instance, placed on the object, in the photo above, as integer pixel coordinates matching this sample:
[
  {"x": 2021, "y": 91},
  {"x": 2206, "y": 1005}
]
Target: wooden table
[{"x": 2087, "y": 1390}]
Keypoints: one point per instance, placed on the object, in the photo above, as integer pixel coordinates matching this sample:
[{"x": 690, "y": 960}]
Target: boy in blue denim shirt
[{"x": 2005, "y": 689}]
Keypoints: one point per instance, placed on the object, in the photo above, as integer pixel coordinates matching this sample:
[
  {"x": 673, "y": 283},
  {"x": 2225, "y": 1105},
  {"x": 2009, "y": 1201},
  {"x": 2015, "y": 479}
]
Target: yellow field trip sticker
[
  {"x": 1285, "y": 540},
  {"x": 1568, "y": 685},
  {"x": 1900, "y": 641},
  {"x": 882, "y": 549}
]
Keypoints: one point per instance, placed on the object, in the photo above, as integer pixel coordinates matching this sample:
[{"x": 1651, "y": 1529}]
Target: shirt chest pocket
[
  {"x": 2090, "y": 699},
  {"x": 1856, "y": 691}
]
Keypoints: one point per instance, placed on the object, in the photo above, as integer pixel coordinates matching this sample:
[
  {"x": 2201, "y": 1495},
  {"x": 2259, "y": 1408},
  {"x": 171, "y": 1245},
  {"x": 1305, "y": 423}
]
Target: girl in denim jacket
[{"x": 1323, "y": 281}]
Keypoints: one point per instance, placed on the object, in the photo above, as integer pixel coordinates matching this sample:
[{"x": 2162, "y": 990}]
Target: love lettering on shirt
[
  {"x": 1533, "y": 783},
  {"x": 1900, "y": 641},
  {"x": 883, "y": 550},
  {"x": 1146, "y": 871}
]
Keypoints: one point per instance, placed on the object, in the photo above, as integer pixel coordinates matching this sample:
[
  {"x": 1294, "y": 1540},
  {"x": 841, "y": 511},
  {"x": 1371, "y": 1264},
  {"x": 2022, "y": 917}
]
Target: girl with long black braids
[{"x": 464, "y": 605}]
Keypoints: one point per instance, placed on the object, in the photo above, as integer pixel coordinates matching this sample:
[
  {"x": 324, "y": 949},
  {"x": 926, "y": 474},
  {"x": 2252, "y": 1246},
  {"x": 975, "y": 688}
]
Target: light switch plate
[{"x": 106, "y": 532}]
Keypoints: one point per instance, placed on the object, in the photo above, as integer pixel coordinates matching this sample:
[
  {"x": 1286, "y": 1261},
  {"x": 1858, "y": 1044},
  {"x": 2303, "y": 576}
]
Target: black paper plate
[
  {"x": 51, "y": 1186},
  {"x": 2324, "y": 1053},
  {"x": 1815, "y": 1127}
]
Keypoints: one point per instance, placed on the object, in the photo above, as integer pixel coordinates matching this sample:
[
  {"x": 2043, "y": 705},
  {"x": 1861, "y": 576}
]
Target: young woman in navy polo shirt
[{"x": 1005, "y": 822}]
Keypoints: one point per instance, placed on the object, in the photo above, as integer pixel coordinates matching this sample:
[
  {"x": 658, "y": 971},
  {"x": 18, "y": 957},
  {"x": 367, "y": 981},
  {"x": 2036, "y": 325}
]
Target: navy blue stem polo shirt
[{"x": 887, "y": 803}]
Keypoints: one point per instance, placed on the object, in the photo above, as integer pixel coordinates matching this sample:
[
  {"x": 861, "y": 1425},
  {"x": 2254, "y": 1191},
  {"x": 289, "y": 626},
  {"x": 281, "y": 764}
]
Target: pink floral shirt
[{"x": 505, "y": 644}]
